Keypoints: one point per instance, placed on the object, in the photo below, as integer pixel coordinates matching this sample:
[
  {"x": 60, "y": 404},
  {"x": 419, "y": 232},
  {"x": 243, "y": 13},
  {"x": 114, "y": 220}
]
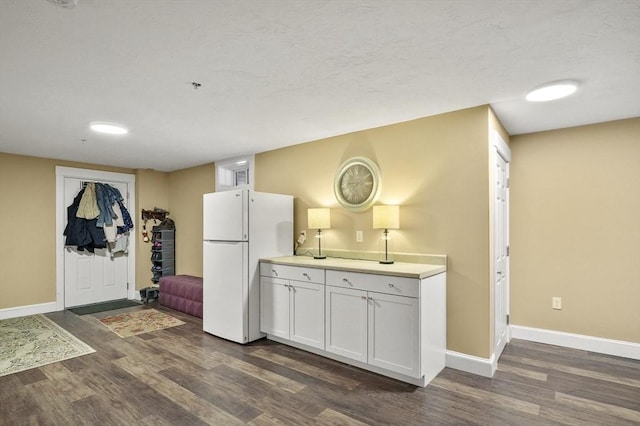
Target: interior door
[
  {"x": 93, "y": 277},
  {"x": 501, "y": 250}
]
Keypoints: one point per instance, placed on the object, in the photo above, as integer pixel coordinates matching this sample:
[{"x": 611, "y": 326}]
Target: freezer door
[
  {"x": 225, "y": 216},
  {"x": 225, "y": 290}
]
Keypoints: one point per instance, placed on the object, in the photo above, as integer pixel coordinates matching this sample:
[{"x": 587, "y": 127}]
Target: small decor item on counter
[
  {"x": 319, "y": 219},
  {"x": 386, "y": 217}
]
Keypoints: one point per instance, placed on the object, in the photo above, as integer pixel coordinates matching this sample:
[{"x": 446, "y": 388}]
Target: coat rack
[{"x": 154, "y": 215}]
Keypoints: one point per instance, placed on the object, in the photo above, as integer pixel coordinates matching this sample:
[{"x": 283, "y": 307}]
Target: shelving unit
[{"x": 162, "y": 253}]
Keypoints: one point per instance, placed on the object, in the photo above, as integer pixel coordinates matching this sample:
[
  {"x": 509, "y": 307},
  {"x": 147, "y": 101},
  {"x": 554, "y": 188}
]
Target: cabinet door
[
  {"x": 307, "y": 314},
  {"x": 274, "y": 306},
  {"x": 394, "y": 333},
  {"x": 346, "y": 322}
]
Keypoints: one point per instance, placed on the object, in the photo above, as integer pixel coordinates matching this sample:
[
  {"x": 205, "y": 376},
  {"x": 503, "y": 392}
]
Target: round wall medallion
[{"x": 357, "y": 184}]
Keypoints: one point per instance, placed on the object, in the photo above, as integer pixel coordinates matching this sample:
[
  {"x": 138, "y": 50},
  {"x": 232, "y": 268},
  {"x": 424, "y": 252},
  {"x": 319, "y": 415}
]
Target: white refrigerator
[{"x": 239, "y": 228}]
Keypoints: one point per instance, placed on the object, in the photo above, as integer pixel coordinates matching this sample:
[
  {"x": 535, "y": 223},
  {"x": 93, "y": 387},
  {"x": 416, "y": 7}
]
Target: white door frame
[
  {"x": 93, "y": 175},
  {"x": 497, "y": 146}
]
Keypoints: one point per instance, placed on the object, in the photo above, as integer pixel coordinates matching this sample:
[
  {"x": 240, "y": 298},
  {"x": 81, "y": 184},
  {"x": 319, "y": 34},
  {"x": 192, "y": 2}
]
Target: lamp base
[
  {"x": 319, "y": 257},
  {"x": 386, "y": 262}
]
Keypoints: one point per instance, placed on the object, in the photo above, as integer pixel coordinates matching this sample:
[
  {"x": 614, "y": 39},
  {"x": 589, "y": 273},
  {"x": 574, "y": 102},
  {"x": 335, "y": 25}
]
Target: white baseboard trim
[
  {"x": 485, "y": 367},
  {"x": 577, "y": 341},
  {"x": 23, "y": 311}
]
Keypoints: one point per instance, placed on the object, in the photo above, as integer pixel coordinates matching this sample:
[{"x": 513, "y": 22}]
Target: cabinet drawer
[
  {"x": 311, "y": 275},
  {"x": 400, "y": 286}
]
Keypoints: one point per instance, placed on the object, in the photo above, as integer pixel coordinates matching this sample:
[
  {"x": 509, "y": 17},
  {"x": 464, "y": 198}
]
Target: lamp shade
[
  {"x": 319, "y": 218},
  {"x": 386, "y": 217}
]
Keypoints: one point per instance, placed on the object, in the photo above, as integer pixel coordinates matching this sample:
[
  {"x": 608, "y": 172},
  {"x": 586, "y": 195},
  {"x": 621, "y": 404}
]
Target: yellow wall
[
  {"x": 575, "y": 230},
  {"x": 436, "y": 168},
  {"x": 185, "y": 204},
  {"x": 28, "y": 228}
]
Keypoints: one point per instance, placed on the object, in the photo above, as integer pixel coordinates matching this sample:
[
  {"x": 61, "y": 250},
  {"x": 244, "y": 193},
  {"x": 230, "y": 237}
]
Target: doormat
[
  {"x": 138, "y": 322},
  {"x": 34, "y": 341},
  {"x": 104, "y": 306}
]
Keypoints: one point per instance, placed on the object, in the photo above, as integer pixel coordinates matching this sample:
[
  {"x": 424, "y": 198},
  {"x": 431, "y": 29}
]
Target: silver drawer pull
[
  {"x": 304, "y": 274},
  {"x": 391, "y": 285},
  {"x": 274, "y": 272},
  {"x": 347, "y": 281}
]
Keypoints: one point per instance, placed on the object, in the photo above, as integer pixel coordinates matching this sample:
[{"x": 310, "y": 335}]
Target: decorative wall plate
[{"x": 357, "y": 184}]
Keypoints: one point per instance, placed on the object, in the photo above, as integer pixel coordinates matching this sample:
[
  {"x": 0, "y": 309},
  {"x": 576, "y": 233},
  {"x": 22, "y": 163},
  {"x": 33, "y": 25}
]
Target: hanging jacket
[
  {"x": 88, "y": 208},
  {"x": 106, "y": 195},
  {"x": 82, "y": 233}
]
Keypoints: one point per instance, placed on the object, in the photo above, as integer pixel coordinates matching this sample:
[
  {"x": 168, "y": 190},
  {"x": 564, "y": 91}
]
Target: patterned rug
[
  {"x": 138, "y": 322},
  {"x": 34, "y": 341}
]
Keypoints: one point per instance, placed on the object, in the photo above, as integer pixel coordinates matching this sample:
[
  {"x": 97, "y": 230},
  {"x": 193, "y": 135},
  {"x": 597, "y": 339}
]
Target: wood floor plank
[
  {"x": 522, "y": 372},
  {"x": 259, "y": 373},
  {"x": 332, "y": 417},
  {"x": 311, "y": 370},
  {"x": 611, "y": 410},
  {"x": 578, "y": 371},
  {"x": 216, "y": 395},
  {"x": 487, "y": 397}
]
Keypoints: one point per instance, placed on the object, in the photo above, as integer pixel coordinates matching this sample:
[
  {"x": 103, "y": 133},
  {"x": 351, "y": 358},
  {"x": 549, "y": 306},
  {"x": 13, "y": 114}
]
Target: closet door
[{"x": 93, "y": 277}]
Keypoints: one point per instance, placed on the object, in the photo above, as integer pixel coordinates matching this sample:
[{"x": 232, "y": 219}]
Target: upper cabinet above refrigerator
[{"x": 226, "y": 216}]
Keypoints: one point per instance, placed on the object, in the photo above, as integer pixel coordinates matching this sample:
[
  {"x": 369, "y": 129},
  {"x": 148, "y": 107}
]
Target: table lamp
[
  {"x": 386, "y": 217},
  {"x": 319, "y": 219}
]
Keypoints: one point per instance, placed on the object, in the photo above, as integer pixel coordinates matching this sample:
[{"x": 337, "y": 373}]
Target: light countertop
[{"x": 398, "y": 269}]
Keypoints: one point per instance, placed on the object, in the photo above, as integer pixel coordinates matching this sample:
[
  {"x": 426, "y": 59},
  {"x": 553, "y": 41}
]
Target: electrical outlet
[
  {"x": 556, "y": 303},
  {"x": 359, "y": 237}
]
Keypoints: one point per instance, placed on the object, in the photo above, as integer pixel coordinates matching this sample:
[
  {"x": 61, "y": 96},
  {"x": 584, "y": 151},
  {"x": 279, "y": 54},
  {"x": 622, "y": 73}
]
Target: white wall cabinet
[{"x": 393, "y": 325}]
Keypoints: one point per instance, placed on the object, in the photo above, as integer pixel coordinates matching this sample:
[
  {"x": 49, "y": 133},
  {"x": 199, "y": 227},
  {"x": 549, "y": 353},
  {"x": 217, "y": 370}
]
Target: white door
[
  {"x": 307, "y": 314},
  {"x": 394, "y": 341},
  {"x": 346, "y": 322},
  {"x": 93, "y": 277},
  {"x": 225, "y": 290},
  {"x": 501, "y": 156},
  {"x": 274, "y": 307},
  {"x": 225, "y": 216}
]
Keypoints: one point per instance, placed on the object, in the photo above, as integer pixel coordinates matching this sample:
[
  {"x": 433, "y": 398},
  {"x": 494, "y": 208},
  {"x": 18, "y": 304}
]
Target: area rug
[
  {"x": 104, "y": 306},
  {"x": 34, "y": 341},
  {"x": 138, "y": 322}
]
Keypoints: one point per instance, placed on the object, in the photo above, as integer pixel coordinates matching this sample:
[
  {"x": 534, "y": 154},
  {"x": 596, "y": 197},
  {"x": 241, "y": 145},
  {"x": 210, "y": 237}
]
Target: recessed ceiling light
[
  {"x": 110, "y": 128},
  {"x": 552, "y": 91}
]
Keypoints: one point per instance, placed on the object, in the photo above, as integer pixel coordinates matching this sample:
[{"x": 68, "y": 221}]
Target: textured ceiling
[{"x": 281, "y": 72}]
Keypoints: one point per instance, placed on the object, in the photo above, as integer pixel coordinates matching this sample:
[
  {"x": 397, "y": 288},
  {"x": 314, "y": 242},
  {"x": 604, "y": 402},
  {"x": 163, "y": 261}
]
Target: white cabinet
[
  {"x": 293, "y": 310},
  {"x": 393, "y": 325},
  {"x": 381, "y": 329}
]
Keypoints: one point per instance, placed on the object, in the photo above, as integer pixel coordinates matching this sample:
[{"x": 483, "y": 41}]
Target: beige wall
[
  {"x": 436, "y": 168},
  {"x": 185, "y": 204},
  {"x": 28, "y": 228},
  {"x": 152, "y": 190},
  {"x": 575, "y": 230}
]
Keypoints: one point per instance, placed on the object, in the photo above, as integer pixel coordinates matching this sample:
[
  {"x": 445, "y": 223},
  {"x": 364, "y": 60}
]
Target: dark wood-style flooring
[{"x": 182, "y": 376}]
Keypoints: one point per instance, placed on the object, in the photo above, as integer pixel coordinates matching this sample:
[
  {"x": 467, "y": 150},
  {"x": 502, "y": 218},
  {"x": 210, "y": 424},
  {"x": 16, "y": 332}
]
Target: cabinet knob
[
  {"x": 346, "y": 281},
  {"x": 364, "y": 297},
  {"x": 391, "y": 285},
  {"x": 274, "y": 272},
  {"x": 304, "y": 274}
]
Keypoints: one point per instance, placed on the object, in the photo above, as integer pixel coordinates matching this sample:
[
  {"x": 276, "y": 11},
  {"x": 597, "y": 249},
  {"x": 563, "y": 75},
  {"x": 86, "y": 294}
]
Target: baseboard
[
  {"x": 23, "y": 311},
  {"x": 485, "y": 367},
  {"x": 577, "y": 341}
]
